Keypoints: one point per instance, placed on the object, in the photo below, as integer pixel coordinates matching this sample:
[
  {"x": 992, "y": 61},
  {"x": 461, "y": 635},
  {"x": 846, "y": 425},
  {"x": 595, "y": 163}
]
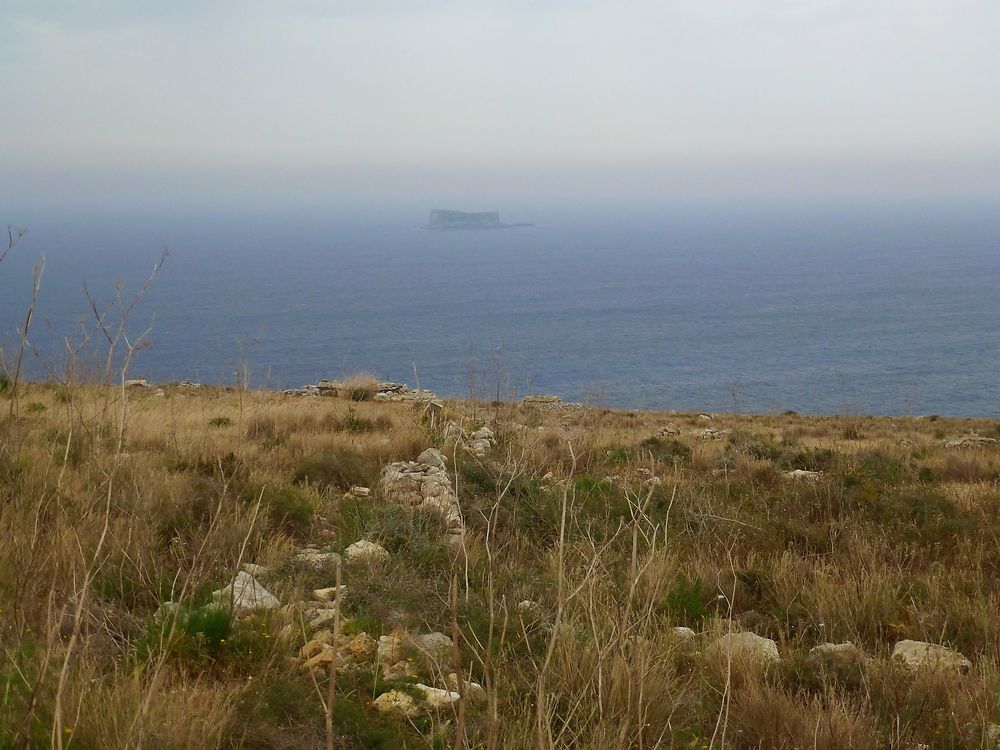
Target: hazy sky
[{"x": 703, "y": 96}]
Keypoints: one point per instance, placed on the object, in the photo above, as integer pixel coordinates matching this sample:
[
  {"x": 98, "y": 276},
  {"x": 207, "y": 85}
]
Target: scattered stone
[
  {"x": 321, "y": 618},
  {"x": 330, "y": 593},
  {"x": 905, "y": 443},
  {"x": 362, "y": 646},
  {"x": 668, "y": 431},
  {"x": 359, "y": 492},
  {"x": 550, "y": 403},
  {"x": 366, "y": 552},
  {"x": 705, "y": 418},
  {"x": 972, "y": 440},
  {"x": 712, "y": 434},
  {"x": 746, "y": 647},
  {"x": 404, "y": 704},
  {"x": 922, "y": 655},
  {"x": 319, "y": 659},
  {"x": 390, "y": 649},
  {"x": 436, "y": 646},
  {"x": 245, "y": 595},
  {"x": 317, "y": 559},
  {"x": 318, "y": 643},
  {"x": 187, "y": 384},
  {"x": 683, "y": 633},
  {"x": 835, "y": 655},
  {"x": 400, "y": 670},
  {"x": 136, "y": 383},
  {"x": 801, "y": 475}
]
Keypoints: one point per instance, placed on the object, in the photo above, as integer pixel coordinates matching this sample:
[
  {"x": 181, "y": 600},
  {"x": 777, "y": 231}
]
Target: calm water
[{"x": 882, "y": 312}]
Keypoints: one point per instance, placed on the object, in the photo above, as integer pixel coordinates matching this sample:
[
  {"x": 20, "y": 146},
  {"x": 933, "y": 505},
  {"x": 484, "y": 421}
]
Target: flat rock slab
[{"x": 917, "y": 655}]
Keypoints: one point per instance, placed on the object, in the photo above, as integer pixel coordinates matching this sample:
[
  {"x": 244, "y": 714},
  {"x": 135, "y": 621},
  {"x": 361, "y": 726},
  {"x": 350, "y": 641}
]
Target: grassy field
[{"x": 591, "y": 536}]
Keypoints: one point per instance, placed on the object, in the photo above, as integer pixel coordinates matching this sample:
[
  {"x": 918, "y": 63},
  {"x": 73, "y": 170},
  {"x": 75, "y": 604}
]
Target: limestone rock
[
  {"x": 682, "y": 633},
  {"x": 389, "y": 649},
  {"x": 801, "y": 475},
  {"x": 245, "y": 594},
  {"x": 399, "y": 670},
  {"x": 835, "y": 655},
  {"x": 436, "y": 646},
  {"x": 972, "y": 440},
  {"x": 319, "y": 643},
  {"x": 360, "y": 647},
  {"x": 329, "y": 593},
  {"x": 432, "y": 458},
  {"x": 424, "y": 484},
  {"x": 711, "y": 433},
  {"x": 366, "y": 552},
  {"x": 398, "y": 702},
  {"x": 922, "y": 655},
  {"x": 481, "y": 441},
  {"x": 744, "y": 647},
  {"x": 668, "y": 431},
  {"x": 316, "y": 559},
  {"x": 321, "y": 618}
]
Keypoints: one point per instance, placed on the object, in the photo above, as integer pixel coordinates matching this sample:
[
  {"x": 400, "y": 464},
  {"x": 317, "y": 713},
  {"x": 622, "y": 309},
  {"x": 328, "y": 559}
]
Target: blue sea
[{"x": 856, "y": 310}]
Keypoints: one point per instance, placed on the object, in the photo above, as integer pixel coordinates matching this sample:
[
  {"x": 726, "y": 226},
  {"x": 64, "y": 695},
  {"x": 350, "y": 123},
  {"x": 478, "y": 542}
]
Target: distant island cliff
[{"x": 446, "y": 219}]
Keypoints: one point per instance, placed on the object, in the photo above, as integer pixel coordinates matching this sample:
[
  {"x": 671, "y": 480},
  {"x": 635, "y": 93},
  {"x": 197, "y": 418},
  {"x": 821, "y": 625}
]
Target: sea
[{"x": 855, "y": 310}]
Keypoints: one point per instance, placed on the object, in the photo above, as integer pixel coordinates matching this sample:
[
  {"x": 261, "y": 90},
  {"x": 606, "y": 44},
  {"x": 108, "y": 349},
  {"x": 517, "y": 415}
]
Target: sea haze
[{"x": 861, "y": 311}]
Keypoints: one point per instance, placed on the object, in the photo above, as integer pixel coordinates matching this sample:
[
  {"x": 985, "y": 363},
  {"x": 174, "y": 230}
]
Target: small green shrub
[
  {"x": 353, "y": 423},
  {"x": 288, "y": 508},
  {"x": 663, "y": 449},
  {"x": 220, "y": 422},
  {"x": 343, "y": 469},
  {"x": 686, "y": 602},
  {"x": 5, "y": 384},
  {"x": 35, "y": 407},
  {"x": 361, "y": 393}
]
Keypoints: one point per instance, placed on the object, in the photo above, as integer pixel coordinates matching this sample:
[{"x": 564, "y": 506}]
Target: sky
[{"x": 223, "y": 102}]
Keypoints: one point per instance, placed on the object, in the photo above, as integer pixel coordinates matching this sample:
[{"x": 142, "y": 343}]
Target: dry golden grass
[{"x": 113, "y": 501}]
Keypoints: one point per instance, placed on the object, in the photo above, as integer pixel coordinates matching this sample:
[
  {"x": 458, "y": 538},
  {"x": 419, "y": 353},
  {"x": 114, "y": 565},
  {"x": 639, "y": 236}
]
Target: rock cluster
[
  {"x": 972, "y": 440},
  {"x": 322, "y": 388},
  {"x": 550, "y": 403},
  {"x": 398, "y": 702},
  {"x": 383, "y": 391},
  {"x": 710, "y": 433},
  {"x": 425, "y": 484},
  {"x": 401, "y": 392},
  {"x": 478, "y": 442},
  {"x": 801, "y": 475}
]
